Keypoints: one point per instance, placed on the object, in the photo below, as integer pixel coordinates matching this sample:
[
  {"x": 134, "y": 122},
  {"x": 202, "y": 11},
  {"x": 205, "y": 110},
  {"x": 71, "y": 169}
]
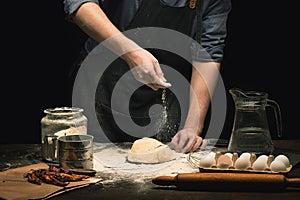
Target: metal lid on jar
[{"x": 63, "y": 110}]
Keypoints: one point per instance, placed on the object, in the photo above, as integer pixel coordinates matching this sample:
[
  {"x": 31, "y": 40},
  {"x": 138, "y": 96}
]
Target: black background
[{"x": 39, "y": 47}]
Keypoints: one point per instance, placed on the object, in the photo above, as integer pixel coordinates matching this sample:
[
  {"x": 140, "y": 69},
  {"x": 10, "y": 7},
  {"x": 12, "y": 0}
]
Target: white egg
[
  {"x": 242, "y": 163},
  {"x": 207, "y": 162},
  {"x": 277, "y": 166},
  {"x": 212, "y": 154},
  {"x": 260, "y": 164},
  {"x": 245, "y": 155},
  {"x": 284, "y": 159},
  {"x": 263, "y": 157}
]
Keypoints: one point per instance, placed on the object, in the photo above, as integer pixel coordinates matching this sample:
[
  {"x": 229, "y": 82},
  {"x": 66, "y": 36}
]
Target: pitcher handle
[{"x": 277, "y": 112}]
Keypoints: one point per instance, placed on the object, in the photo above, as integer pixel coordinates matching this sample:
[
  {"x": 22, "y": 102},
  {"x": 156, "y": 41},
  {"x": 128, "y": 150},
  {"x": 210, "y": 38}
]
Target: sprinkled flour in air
[{"x": 165, "y": 128}]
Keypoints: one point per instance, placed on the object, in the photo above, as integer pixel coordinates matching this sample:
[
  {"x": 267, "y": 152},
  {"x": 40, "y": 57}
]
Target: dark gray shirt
[{"x": 121, "y": 12}]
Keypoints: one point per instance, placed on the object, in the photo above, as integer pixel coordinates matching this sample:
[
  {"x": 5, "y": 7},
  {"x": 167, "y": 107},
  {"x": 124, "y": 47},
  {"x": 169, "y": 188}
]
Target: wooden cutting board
[{"x": 13, "y": 185}]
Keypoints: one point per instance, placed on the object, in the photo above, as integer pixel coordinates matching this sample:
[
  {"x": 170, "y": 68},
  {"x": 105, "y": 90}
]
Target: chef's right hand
[
  {"x": 187, "y": 140},
  {"x": 146, "y": 69}
]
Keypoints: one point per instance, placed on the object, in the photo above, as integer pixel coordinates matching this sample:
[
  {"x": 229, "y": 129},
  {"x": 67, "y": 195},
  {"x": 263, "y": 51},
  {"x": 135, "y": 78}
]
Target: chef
[{"x": 202, "y": 20}]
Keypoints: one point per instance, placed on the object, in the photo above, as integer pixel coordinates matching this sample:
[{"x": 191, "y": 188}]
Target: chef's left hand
[{"x": 187, "y": 140}]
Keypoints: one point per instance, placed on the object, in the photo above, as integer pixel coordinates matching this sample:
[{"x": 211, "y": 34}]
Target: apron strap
[{"x": 199, "y": 20}]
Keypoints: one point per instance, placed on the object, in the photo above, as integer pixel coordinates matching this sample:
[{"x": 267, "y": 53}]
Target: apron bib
[{"x": 151, "y": 13}]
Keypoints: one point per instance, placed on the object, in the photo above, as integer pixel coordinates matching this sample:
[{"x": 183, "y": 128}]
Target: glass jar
[{"x": 58, "y": 122}]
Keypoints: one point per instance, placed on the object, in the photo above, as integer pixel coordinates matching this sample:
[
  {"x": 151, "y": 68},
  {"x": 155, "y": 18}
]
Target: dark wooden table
[{"x": 16, "y": 155}]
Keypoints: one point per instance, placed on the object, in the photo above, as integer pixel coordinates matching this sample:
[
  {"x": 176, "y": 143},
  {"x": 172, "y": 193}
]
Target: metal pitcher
[{"x": 250, "y": 132}]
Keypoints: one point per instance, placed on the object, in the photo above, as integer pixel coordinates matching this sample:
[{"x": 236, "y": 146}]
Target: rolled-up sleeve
[
  {"x": 71, "y": 6},
  {"x": 214, "y": 32}
]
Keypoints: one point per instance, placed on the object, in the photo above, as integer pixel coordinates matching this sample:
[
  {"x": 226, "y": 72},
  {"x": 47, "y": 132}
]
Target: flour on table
[{"x": 112, "y": 159}]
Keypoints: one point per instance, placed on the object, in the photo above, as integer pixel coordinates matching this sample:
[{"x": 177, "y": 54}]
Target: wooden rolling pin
[{"x": 228, "y": 181}]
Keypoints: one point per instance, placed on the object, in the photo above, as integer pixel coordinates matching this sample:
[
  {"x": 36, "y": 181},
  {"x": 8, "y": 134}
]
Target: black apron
[{"x": 151, "y": 13}]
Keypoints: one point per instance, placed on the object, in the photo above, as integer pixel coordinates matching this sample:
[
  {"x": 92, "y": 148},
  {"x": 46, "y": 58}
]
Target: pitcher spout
[
  {"x": 241, "y": 95},
  {"x": 237, "y": 92}
]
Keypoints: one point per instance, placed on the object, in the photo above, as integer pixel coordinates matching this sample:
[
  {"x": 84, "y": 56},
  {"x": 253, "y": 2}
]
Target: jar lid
[{"x": 63, "y": 110}]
